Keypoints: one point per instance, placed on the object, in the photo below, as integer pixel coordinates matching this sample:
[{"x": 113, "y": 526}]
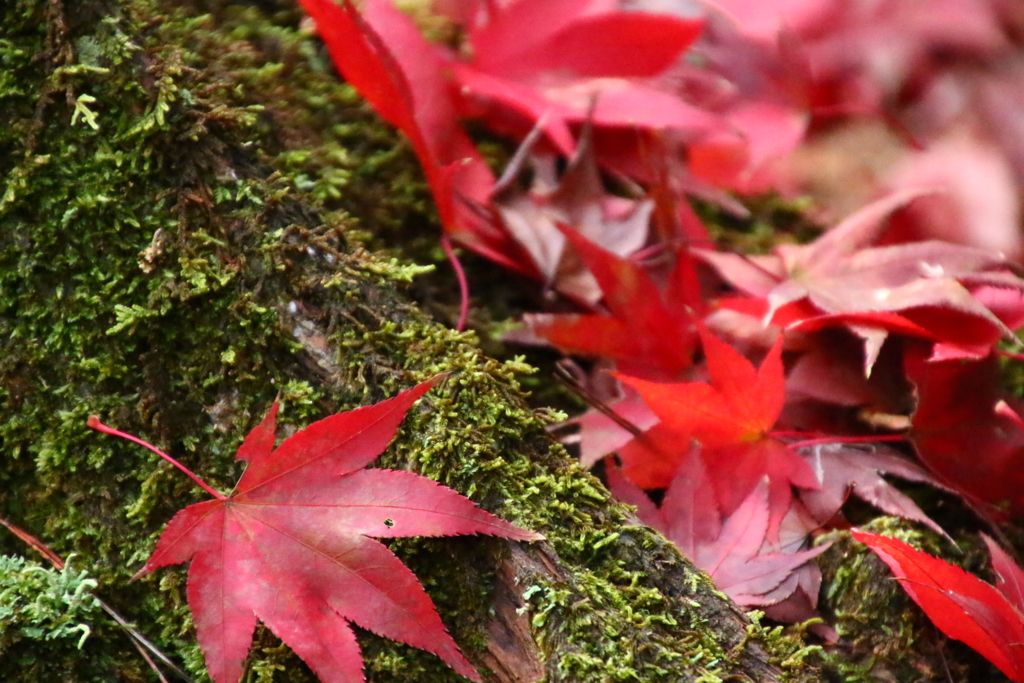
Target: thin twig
[
  {"x": 515, "y": 164},
  {"x": 140, "y": 641},
  {"x": 149, "y": 660},
  {"x": 565, "y": 377},
  {"x": 882, "y": 438}
]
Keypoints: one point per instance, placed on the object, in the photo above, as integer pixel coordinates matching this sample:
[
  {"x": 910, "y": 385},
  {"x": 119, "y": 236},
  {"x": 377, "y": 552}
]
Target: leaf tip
[{"x": 438, "y": 378}]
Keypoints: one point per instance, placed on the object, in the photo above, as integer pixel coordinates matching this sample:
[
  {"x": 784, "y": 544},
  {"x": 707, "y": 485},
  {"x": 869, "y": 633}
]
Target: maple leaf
[
  {"x": 383, "y": 56},
  {"x": 842, "y": 469},
  {"x": 578, "y": 60},
  {"x": 576, "y": 198},
  {"x": 619, "y": 421},
  {"x": 831, "y": 372},
  {"x": 959, "y": 433},
  {"x": 731, "y": 417},
  {"x": 734, "y": 550},
  {"x": 1009, "y": 577},
  {"x": 961, "y": 605},
  {"x": 649, "y": 331},
  {"x": 600, "y": 434},
  {"x": 292, "y": 546},
  {"x": 760, "y": 80},
  {"x": 923, "y": 288}
]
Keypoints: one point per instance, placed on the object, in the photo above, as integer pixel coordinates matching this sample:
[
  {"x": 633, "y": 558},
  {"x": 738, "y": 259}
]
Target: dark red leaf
[
  {"x": 382, "y": 55},
  {"x": 958, "y": 432},
  {"x": 579, "y": 200},
  {"x": 1009, "y": 577},
  {"x": 849, "y": 469}
]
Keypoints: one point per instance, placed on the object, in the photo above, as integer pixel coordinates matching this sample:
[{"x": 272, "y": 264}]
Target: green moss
[
  {"x": 772, "y": 220},
  {"x": 176, "y": 250},
  {"x": 883, "y": 634}
]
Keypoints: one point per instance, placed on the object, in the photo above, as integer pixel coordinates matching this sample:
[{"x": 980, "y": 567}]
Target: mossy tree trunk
[{"x": 180, "y": 184}]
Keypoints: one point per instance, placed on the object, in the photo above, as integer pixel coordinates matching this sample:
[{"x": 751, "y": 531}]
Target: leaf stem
[
  {"x": 882, "y": 438},
  {"x": 563, "y": 375},
  {"x": 460, "y": 276},
  {"x": 95, "y": 423}
]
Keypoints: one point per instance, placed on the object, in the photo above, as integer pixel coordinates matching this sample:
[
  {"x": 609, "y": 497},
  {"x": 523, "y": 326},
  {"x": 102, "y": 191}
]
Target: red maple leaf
[
  {"x": 576, "y": 198},
  {"x": 731, "y": 417},
  {"x": 649, "y": 331},
  {"x": 577, "y": 60},
  {"x": 383, "y": 56},
  {"x": 959, "y": 432},
  {"x": 845, "y": 469},
  {"x": 291, "y": 546},
  {"x": 988, "y": 618},
  {"x": 1009, "y": 577}
]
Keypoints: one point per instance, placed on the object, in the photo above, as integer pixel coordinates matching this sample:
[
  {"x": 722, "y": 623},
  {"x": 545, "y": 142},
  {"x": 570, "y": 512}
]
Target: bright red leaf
[
  {"x": 960, "y": 604},
  {"x": 383, "y": 56},
  {"x": 649, "y": 330},
  {"x": 649, "y": 453},
  {"x": 292, "y": 546},
  {"x": 731, "y": 417},
  {"x": 562, "y": 62},
  {"x": 604, "y": 45},
  {"x": 651, "y": 460}
]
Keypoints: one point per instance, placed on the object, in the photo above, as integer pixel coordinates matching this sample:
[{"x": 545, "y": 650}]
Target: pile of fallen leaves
[
  {"x": 876, "y": 346},
  {"x": 736, "y": 400}
]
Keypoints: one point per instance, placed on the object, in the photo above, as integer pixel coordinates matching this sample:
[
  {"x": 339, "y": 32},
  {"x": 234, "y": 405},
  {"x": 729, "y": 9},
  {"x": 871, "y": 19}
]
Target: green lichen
[
  {"x": 46, "y": 618},
  {"x": 36, "y": 602},
  {"x": 176, "y": 249}
]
